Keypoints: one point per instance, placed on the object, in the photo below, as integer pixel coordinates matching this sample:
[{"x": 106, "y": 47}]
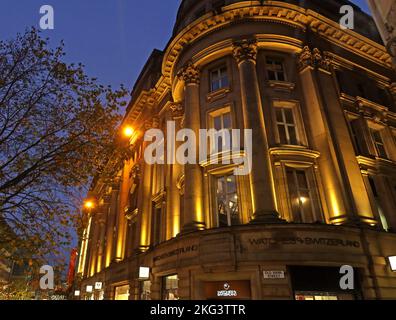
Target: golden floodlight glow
[
  {"x": 128, "y": 132},
  {"x": 88, "y": 204}
]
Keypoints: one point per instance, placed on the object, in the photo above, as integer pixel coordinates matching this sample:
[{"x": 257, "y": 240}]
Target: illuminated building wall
[{"x": 321, "y": 103}]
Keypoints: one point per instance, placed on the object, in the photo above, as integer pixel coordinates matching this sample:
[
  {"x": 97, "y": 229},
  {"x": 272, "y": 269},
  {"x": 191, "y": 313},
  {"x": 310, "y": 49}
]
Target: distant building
[
  {"x": 321, "y": 102},
  {"x": 384, "y": 13}
]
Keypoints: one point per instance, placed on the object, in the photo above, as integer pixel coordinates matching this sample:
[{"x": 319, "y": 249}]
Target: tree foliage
[{"x": 57, "y": 129}]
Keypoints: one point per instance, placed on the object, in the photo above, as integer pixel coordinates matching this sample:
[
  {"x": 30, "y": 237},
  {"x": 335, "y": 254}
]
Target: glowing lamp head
[
  {"x": 88, "y": 204},
  {"x": 128, "y": 132}
]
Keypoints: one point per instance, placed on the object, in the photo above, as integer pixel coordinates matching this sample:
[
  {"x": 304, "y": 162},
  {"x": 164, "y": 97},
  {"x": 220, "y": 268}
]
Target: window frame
[
  {"x": 220, "y": 79},
  {"x": 271, "y": 67}
]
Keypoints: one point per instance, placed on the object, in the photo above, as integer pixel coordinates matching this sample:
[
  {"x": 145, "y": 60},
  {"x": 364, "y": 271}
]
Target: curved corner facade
[{"x": 321, "y": 103}]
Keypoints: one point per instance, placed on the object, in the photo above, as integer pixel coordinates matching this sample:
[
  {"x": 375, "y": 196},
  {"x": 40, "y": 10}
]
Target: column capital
[
  {"x": 190, "y": 73},
  {"x": 245, "y": 50},
  {"x": 313, "y": 58}
]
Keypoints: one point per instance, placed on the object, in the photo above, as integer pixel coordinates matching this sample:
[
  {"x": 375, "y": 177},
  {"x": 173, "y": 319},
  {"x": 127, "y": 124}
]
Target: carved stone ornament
[
  {"x": 313, "y": 59},
  {"x": 245, "y": 50},
  {"x": 190, "y": 74},
  {"x": 177, "y": 110}
]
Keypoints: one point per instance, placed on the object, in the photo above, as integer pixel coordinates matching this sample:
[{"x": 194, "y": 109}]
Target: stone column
[
  {"x": 95, "y": 241},
  {"x": 123, "y": 205},
  {"x": 193, "y": 196},
  {"x": 100, "y": 264},
  {"x": 111, "y": 222},
  {"x": 261, "y": 176},
  {"x": 145, "y": 201},
  {"x": 322, "y": 140},
  {"x": 174, "y": 172}
]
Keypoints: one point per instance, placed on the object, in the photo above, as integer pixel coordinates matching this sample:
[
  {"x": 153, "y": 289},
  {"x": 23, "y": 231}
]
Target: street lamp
[
  {"x": 128, "y": 132},
  {"x": 89, "y": 204}
]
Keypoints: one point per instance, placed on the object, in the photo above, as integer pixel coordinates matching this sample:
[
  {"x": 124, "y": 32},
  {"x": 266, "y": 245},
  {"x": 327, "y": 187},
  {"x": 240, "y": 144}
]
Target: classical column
[
  {"x": 94, "y": 241},
  {"x": 175, "y": 170},
  {"x": 82, "y": 262},
  {"x": 261, "y": 176},
  {"x": 122, "y": 221},
  {"x": 145, "y": 202},
  {"x": 111, "y": 222},
  {"x": 102, "y": 220},
  {"x": 319, "y": 129},
  {"x": 193, "y": 196}
]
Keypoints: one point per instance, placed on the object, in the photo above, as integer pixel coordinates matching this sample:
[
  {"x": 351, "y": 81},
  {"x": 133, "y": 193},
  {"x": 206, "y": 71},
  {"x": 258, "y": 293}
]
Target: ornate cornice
[
  {"x": 245, "y": 50},
  {"x": 276, "y": 12},
  {"x": 190, "y": 74}
]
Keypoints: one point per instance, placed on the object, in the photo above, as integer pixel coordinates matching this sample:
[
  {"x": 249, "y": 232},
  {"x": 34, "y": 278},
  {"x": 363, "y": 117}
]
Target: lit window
[
  {"x": 286, "y": 126},
  {"x": 300, "y": 195},
  {"x": 170, "y": 287},
  {"x": 218, "y": 79},
  {"x": 122, "y": 293},
  {"x": 378, "y": 143},
  {"x": 275, "y": 70},
  {"x": 227, "y": 201}
]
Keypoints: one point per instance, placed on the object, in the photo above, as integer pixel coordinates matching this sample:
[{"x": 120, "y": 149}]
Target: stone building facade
[
  {"x": 384, "y": 13},
  {"x": 321, "y": 102}
]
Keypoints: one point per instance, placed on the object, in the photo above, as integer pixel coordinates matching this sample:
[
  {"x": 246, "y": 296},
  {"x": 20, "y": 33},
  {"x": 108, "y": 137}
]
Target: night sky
[{"x": 113, "y": 38}]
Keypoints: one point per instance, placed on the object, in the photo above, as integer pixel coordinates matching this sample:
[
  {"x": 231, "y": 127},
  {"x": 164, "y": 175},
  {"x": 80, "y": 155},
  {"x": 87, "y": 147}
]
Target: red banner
[{"x": 72, "y": 267}]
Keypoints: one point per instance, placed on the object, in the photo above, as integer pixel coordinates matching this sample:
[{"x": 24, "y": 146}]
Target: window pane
[
  {"x": 302, "y": 180},
  {"x": 279, "y": 114},
  {"x": 292, "y": 135},
  {"x": 282, "y": 134},
  {"x": 281, "y": 76},
  {"x": 217, "y": 123},
  {"x": 271, "y": 75},
  {"x": 227, "y": 120},
  {"x": 289, "y": 115}
]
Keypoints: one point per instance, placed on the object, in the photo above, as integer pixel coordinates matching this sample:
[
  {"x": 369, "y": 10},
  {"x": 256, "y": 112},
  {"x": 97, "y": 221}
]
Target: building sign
[
  {"x": 274, "y": 274},
  {"x": 176, "y": 252},
  {"x": 98, "y": 285},
  {"x": 144, "y": 273},
  {"x": 308, "y": 241},
  {"x": 226, "y": 290},
  {"x": 89, "y": 289}
]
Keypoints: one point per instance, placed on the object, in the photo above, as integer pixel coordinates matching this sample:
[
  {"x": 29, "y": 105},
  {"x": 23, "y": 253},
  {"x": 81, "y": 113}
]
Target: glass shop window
[
  {"x": 227, "y": 201},
  {"x": 170, "y": 287}
]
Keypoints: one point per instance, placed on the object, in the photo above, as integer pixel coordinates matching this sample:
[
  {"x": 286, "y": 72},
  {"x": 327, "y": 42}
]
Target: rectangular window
[
  {"x": 378, "y": 143},
  {"x": 223, "y": 122},
  {"x": 377, "y": 200},
  {"x": 227, "y": 201},
  {"x": 170, "y": 286},
  {"x": 286, "y": 126},
  {"x": 354, "y": 126},
  {"x": 145, "y": 290},
  {"x": 300, "y": 196},
  {"x": 121, "y": 293},
  {"x": 275, "y": 69},
  {"x": 218, "y": 79}
]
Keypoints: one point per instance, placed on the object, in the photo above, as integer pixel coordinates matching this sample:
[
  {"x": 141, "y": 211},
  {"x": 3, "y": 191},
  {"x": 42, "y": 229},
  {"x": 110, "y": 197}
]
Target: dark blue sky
[{"x": 113, "y": 38}]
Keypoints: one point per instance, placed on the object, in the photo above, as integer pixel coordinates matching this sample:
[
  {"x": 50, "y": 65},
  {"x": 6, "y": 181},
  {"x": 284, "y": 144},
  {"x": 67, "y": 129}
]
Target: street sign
[{"x": 274, "y": 274}]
